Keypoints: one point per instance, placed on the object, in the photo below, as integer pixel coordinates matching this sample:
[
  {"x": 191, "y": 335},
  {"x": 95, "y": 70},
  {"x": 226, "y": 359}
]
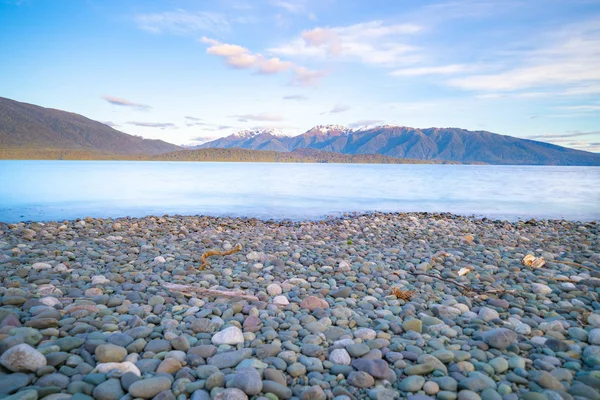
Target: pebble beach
[{"x": 374, "y": 306}]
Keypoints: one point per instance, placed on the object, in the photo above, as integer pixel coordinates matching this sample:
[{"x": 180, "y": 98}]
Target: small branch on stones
[
  {"x": 238, "y": 247},
  {"x": 190, "y": 291},
  {"x": 574, "y": 264},
  {"x": 465, "y": 289}
]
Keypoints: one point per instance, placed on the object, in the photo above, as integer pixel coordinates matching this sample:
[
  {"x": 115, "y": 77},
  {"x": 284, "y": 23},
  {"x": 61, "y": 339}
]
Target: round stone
[
  {"x": 431, "y": 388},
  {"x": 110, "y": 353},
  {"x": 148, "y": 388},
  {"x": 247, "y": 380},
  {"x": 232, "y": 335},
  {"x": 22, "y": 358},
  {"x": 274, "y": 289},
  {"x": 340, "y": 357}
]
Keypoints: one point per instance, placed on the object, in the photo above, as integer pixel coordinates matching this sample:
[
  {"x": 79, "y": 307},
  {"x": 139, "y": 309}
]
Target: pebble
[
  {"x": 148, "y": 388},
  {"x": 22, "y": 357},
  {"x": 99, "y": 322},
  {"x": 231, "y": 335}
]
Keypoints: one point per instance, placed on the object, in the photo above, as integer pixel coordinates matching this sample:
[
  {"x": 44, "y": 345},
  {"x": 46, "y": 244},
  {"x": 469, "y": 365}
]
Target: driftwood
[
  {"x": 189, "y": 290},
  {"x": 403, "y": 294},
  {"x": 533, "y": 262},
  {"x": 465, "y": 288},
  {"x": 574, "y": 264},
  {"x": 238, "y": 247}
]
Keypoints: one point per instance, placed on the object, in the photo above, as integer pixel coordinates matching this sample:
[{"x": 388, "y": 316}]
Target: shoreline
[
  {"x": 377, "y": 305},
  {"x": 324, "y": 218}
]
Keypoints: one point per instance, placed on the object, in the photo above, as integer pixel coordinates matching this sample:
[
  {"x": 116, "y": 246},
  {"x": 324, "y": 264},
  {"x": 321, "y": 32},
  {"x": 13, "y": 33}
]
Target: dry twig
[
  {"x": 464, "y": 288},
  {"x": 189, "y": 291},
  {"x": 574, "y": 264},
  {"x": 238, "y": 247}
]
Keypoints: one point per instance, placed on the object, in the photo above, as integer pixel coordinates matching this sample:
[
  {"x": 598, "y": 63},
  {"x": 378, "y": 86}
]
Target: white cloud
[
  {"x": 273, "y": 65},
  {"x": 371, "y": 42},
  {"x": 258, "y": 117},
  {"x": 439, "y": 70},
  {"x": 306, "y": 77},
  {"x": 567, "y": 62},
  {"x": 240, "y": 57},
  {"x": 294, "y": 7},
  {"x": 226, "y": 50},
  {"x": 182, "y": 22}
]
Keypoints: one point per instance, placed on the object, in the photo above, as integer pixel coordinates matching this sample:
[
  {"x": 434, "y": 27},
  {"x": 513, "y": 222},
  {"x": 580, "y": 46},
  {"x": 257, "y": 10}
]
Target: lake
[{"x": 58, "y": 190}]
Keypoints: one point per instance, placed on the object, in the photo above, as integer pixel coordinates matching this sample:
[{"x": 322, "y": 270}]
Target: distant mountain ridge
[
  {"x": 440, "y": 144},
  {"x": 24, "y": 125},
  {"x": 31, "y": 131}
]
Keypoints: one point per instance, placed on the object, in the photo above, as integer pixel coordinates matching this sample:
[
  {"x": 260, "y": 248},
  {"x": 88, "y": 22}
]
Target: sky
[{"x": 189, "y": 71}]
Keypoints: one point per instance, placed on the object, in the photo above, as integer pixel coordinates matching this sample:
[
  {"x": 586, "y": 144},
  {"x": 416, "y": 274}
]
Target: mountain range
[
  {"x": 30, "y": 131},
  {"x": 443, "y": 144}
]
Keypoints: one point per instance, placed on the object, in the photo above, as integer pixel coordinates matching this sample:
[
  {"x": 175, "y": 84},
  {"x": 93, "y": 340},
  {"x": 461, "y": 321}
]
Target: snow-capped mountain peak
[
  {"x": 248, "y": 134},
  {"x": 325, "y": 129}
]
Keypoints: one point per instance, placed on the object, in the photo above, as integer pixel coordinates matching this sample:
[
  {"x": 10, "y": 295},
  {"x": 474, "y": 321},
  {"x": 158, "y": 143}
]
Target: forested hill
[
  {"x": 31, "y": 127},
  {"x": 214, "y": 155}
]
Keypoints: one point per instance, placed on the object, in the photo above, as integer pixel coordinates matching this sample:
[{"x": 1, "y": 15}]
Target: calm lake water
[{"x": 57, "y": 190}]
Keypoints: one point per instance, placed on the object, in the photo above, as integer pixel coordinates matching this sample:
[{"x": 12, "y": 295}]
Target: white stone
[
  {"x": 594, "y": 320},
  {"x": 281, "y": 301},
  {"x": 551, "y": 326},
  {"x": 48, "y": 289},
  {"x": 340, "y": 357},
  {"x": 365, "y": 334},
  {"x": 41, "y": 265},
  {"x": 49, "y": 301},
  {"x": 540, "y": 288},
  {"x": 487, "y": 314},
  {"x": 99, "y": 280},
  {"x": 253, "y": 255},
  {"x": 23, "y": 357},
  {"x": 523, "y": 329},
  {"x": 344, "y": 266},
  {"x": 160, "y": 259},
  {"x": 231, "y": 335},
  {"x": 61, "y": 268},
  {"x": 274, "y": 289},
  {"x": 343, "y": 342},
  {"x": 594, "y": 336},
  {"x": 125, "y": 366},
  {"x": 462, "y": 307}
]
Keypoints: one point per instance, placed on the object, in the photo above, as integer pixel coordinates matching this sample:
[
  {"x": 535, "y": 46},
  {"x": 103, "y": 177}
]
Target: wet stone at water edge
[{"x": 376, "y": 306}]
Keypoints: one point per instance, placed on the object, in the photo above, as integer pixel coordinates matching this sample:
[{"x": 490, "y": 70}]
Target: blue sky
[{"x": 188, "y": 71}]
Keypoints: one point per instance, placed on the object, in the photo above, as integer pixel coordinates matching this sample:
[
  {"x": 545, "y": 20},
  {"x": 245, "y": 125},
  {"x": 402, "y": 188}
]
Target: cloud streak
[
  {"x": 366, "y": 123},
  {"x": 126, "y": 103},
  {"x": 182, "y": 22},
  {"x": 564, "y": 135},
  {"x": 438, "y": 70},
  {"x": 338, "y": 109},
  {"x": 258, "y": 117},
  {"x": 296, "y": 97},
  {"x": 161, "y": 125}
]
